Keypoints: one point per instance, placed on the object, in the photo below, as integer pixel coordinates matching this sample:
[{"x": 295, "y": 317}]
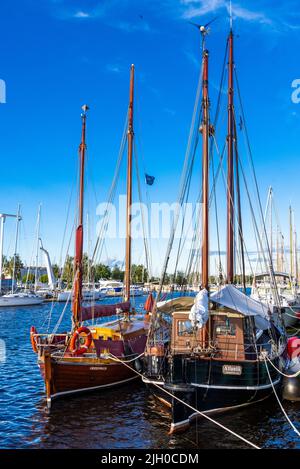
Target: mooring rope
[
  {"x": 125, "y": 361},
  {"x": 283, "y": 374},
  {"x": 193, "y": 408},
  {"x": 278, "y": 400}
]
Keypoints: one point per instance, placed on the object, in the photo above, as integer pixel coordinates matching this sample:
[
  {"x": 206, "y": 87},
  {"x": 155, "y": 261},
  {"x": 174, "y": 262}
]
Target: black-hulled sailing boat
[
  {"x": 90, "y": 357},
  {"x": 209, "y": 352}
]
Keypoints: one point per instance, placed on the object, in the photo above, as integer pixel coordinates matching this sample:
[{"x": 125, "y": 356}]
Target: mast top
[
  {"x": 230, "y": 15},
  {"x": 85, "y": 108}
]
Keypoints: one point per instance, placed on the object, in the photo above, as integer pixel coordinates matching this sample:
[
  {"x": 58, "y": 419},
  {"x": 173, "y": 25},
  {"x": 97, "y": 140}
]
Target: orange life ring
[
  {"x": 33, "y": 332},
  {"x": 74, "y": 342}
]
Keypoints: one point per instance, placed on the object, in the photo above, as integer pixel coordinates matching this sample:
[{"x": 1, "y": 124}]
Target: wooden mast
[
  {"x": 130, "y": 136},
  {"x": 76, "y": 305},
  {"x": 205, "y": 171},
  {"x": 230, "y": 193},
  {"x": 239, "y": 210}
]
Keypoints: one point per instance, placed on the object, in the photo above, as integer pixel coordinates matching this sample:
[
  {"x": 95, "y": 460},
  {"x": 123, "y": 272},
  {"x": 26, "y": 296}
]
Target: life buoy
[
  {"x": 293, "y": 347},
  {"x": 33, "y": 332},
  {"x": 75, "y": 346}
]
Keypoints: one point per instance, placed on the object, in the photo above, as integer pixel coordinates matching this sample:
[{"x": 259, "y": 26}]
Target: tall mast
[
  {"x": 130, "y": 136},
  {"x": 271, "y": 224},
  {"x": 88, "y": 280},
  {"x": 3, "y": 217},
  {"x": 296, "y": 256},
  {"x": 16, "y": 249},
  {"x": 205, "y": 170},
  {"x": 230, "y": 193},
  {"x": 277, "y": 251},
  {"x": 239, "y": 210},
  {"x": 76, "y": 305},
  {"x": 37, "y": 247},
  {"x": 291, "y": 243},
  {"x": 282, "y": 253}
]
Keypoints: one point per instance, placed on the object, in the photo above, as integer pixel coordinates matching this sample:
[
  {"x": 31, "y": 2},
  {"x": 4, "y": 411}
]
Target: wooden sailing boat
[
  {"x": 208, "y": 354},
  {"x": 90, "y": 357}
]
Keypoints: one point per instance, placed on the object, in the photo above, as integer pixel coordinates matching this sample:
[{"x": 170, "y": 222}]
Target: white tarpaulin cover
[
  {"x": 235, "y": 299},
  {"x": 199, "y": 312}
]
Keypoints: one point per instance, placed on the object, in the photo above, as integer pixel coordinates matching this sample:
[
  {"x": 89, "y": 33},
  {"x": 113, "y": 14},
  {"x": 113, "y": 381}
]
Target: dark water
[{"x": 127, "y": 417}]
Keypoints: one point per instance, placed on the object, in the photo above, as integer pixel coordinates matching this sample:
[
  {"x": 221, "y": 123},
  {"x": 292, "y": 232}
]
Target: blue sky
[{"x": 57, "y": 55}]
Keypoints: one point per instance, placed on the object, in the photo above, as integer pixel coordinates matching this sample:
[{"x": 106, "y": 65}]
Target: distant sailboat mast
[
  {"x": 291, "y": 244},
  {"x": 18, "y": 219},
  {"x": 37, "y": 248},
  {"x": 3, "y": 217},
  {"x": 76, "y": 304}
]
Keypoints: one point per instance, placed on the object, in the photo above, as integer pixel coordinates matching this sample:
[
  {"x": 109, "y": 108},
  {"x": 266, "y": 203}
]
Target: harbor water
[{"x": 126, "y": 417}]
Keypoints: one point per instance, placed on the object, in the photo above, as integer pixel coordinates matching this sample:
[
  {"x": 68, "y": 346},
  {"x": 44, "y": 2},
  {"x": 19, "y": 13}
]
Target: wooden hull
[{"x": 63, "y": 378}]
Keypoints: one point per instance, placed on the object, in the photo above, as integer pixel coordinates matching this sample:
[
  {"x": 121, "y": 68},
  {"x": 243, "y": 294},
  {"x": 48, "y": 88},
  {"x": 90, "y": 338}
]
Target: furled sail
[
  {"x": 101, "y": 311},
  {"x": 199, "y": 311}
]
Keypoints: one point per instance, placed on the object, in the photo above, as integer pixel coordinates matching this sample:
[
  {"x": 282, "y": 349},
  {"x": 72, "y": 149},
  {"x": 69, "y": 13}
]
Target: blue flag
[{"x": 149, "y": 179}]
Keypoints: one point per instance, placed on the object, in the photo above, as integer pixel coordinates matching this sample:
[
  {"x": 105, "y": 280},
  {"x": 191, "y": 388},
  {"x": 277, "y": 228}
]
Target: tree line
[
  {"x": 91, "y": 273},
  {"x": 94, "y": 273}
]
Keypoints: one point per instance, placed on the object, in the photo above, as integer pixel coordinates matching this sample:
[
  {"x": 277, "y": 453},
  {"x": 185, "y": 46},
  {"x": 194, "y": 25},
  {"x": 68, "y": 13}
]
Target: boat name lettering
[
  {"x": 98, "y": 368},
  {"x": 232, "y": 370}
]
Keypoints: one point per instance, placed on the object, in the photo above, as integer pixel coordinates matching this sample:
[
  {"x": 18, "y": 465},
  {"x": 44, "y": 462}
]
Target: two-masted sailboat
[
  {"x": 90, "y": 357},
  {"x": 207, "y": 354}
]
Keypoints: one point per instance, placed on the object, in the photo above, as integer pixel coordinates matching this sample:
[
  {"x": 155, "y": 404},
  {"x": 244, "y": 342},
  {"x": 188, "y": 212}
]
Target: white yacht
[
  {"x": 88, "y": 295},
  {"x": 111, "y": 288},
  {"x": 289, "y": 300},
  {"x": 20, "y": 299}
]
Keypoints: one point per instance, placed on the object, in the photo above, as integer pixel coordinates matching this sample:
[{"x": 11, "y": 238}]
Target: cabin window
[
  {"x": 225, "y": 328},
  {"x": 184, "y": 328}
]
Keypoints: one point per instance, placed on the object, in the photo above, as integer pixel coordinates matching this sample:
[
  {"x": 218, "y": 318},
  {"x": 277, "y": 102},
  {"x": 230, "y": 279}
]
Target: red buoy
[{"x": 293, "y": 347}]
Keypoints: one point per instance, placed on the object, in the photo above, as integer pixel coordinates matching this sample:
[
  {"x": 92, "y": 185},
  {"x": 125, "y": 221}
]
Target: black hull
[{"x": 214, "y": 392}]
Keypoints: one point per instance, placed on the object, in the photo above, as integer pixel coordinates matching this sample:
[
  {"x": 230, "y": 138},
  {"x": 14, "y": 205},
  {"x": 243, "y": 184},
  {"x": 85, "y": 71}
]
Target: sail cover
[
  {"x": 101, "y": 311},
  {"x": 235, "y": 299},
  {"x": 199, "y": 311}
]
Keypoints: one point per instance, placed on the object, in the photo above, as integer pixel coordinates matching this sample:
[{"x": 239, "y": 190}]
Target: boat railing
[{"x": 236, "y": 350}]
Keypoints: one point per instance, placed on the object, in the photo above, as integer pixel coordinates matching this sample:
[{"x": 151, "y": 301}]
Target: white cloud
[
  {"x": 113, "y": 68},
  {"x": 196, "y": 8},
  {"x": 249, "y": 15},
  {"x": 201, "y": 7},
  {"x": 82, "y": 14}
]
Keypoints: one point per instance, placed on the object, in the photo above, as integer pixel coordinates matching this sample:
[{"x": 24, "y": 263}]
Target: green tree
[
  {"x": 28, "y": 278},
  {"x": 44, "y": 278},
  {"x": 117, "y": 274},
  {"x": 9, "y": 266},
  {"x": 180, "y": 278},
  {"x": 68, "y": 271},
  {"x": 56, "y": 270},
  {"x": 101, "y": 271},
  {"x": 138, "y": 273}
]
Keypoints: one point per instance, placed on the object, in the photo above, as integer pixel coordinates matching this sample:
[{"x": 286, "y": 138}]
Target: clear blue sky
[{"x": 57, "y": 55}]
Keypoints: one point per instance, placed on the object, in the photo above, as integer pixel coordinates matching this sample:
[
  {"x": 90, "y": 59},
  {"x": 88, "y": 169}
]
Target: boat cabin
[{"x": 225, "y": 333}]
